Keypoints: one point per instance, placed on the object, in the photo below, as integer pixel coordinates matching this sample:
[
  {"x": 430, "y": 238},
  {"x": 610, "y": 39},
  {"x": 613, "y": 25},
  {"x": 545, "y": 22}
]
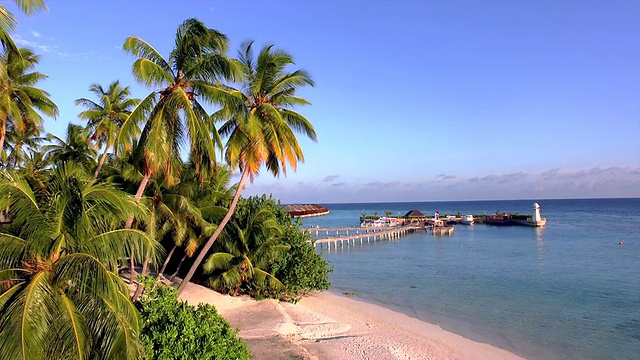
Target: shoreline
[{"x": 331, "y": 326}]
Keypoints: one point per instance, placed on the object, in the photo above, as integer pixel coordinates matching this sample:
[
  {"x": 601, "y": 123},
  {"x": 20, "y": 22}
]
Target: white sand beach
[{"x": 334, "y": 327}]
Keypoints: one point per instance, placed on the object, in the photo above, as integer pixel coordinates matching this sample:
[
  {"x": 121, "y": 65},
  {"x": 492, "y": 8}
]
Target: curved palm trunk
[
  {"x": 3, "y": 134},
  {"x": 102, "y": 159},
  {"x": 216, "y": 233},
  {"x": 139, "y": 288},
  {"x": 166, "y": 261},
  {"x": 129, "y": 223}
]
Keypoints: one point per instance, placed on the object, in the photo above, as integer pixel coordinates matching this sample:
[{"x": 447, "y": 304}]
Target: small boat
[
  {"x": 381, "y": 222},
  {"x": 466, "y": 219},
  {"x": 499, "y": 219}
]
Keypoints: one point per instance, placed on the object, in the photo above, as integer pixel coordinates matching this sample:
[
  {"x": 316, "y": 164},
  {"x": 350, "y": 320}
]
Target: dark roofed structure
[
  {"x": 414, "y": 214},
  {"x": 305, "y": 210}
]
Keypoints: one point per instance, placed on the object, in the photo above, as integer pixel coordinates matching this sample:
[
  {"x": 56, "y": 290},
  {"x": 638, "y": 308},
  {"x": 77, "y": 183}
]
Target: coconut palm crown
[
  {"x": 20, "y": 101},
  {"x": 259, "y": 120},
  {"x": 105, "y": 117},
  {"x": 174, "y": 113},
  {"x": 76, "y": 148}
]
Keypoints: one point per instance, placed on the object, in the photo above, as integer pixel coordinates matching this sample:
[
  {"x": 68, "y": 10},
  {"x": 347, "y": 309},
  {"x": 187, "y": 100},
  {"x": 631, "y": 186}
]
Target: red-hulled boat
[{"x": 499, "y": 219}]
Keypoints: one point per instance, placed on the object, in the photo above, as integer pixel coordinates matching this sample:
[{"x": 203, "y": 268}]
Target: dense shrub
[
  {"x": 301, "y": 269},
  {"x": 173, "y": 329}
]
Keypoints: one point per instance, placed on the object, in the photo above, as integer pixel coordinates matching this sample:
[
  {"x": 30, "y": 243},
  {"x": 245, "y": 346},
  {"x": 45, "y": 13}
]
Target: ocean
[{"x": 566, "y": 291}]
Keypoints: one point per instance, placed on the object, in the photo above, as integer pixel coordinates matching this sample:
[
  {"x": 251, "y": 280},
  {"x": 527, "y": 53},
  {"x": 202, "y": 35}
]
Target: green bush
[
  {"x": 301, "y": 269},
  {"x": 173, "y": 329}
]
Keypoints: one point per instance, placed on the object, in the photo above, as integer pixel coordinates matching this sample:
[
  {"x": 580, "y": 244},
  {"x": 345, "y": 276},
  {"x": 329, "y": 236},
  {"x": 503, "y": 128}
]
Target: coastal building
[
  {"x": 305, "y": 210},
  {"x": 414, "y": 216}
]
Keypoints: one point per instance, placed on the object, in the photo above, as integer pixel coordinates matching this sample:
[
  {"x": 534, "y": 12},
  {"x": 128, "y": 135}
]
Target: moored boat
[
  {"x": 381, "y": 222},
  {"x": 467, "y": 219},
  {"x": 498, "y": 219}
]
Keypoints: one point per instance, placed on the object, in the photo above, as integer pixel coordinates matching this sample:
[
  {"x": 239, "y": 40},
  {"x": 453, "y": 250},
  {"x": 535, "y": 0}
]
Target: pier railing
[{"x": 351, "y": 235}]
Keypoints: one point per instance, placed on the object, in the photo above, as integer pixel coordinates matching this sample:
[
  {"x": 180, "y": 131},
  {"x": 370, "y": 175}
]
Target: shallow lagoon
[{"x": 568, "y": 291}]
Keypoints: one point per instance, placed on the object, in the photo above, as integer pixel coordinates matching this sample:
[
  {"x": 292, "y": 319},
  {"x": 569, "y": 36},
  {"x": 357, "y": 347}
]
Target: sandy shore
[{"x": 333, "y": 327}]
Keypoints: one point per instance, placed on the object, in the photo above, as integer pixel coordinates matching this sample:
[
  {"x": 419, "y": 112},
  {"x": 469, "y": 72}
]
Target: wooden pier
[{"x": 351, "y": 235}]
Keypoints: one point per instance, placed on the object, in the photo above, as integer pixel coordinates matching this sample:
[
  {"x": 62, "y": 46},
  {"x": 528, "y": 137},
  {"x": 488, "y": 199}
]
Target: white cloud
[
  {"x": 33, "y": 45},
  {"x": 35, "y": 34},
  {"x": 52, "y": 49}
]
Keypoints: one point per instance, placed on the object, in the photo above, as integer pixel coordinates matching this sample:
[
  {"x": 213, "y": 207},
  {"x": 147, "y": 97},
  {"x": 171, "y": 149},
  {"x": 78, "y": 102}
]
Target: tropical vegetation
[
  {"x": 259, "y": 123},
  {"x": 177, "y": 330},
  {"x": 60, "y": 293},
  {"x": 82, "y": 214}
]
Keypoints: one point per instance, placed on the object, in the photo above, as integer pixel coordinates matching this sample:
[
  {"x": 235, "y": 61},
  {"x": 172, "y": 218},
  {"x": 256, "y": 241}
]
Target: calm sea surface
[{"x": 567, "y": 291}]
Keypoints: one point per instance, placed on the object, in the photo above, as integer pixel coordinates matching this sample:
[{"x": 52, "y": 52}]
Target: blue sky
[{"x": 414, "y": 100}]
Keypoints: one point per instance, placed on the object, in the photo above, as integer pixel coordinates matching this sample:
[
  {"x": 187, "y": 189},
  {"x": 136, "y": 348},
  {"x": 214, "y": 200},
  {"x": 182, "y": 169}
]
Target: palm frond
[
  {"x": 218, "y": 261},
  {"x": 12, "y": 250},
  {"x": 73, "y": 336},
  {"x": 26, "y": 320},
  {"x": 143, "y": 50},
  {"x": 117, "y": 244},
  {"x": 265, "y": 280}
]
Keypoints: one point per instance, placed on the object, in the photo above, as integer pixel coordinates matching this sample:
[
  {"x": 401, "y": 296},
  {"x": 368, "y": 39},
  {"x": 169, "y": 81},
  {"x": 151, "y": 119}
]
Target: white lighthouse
[
  {"x": 536, "y": 212},
  {"x": 537, "y": 218}
]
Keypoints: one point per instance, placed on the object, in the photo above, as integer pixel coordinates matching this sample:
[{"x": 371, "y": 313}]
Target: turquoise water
[{"x": 568, "y": 291}]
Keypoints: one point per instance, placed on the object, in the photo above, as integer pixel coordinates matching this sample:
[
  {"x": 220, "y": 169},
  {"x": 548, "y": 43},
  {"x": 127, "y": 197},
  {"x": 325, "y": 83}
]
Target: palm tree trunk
[
  {"x": 129, "y": 223},
  {"x": 3, "y": 134},
  {"x": 166, "y": 261},
  {"x": 102, "y": 159},
  {"x": 178, "y": 268},
  {"x": 145, "y": 271},
  {"x": 216, "y": 233},
  {"x": 17, "y": 151}
]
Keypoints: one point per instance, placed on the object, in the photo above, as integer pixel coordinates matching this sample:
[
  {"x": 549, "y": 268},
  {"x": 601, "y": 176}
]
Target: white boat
[
  {"x": 467, "y": 219},
  {"x": 381, "y": 222}
]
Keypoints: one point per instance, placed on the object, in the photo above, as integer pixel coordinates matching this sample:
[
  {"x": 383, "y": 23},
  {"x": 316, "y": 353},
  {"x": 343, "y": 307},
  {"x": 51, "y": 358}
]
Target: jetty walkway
[{"x": 350, "y": 235}]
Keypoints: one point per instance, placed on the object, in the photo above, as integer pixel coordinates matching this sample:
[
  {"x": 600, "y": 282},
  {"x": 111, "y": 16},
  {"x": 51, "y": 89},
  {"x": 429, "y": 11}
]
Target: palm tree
[
  {"x": 260, "y": 123},
  {"x": 212, "y": 198},
  {"x": 198, "y": 59},
  {"x": 20, "y": 101},
  {"x": 250, "y": 248},
  {"x": 181, "y": 219},
  {"x": 75, "y": 149},
  {"x": 173, "y": 112},
  {"x": 20, "y": 144},
  {"x": 106, "y": 116},
  {"x": 60, "y": 294}
]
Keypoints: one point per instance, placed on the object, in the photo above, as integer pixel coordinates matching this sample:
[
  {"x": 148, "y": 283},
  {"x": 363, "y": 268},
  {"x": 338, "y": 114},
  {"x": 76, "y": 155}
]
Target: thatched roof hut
[
  {"x": 414, "y": 214},
  {"x": 305, "y": 210}
]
